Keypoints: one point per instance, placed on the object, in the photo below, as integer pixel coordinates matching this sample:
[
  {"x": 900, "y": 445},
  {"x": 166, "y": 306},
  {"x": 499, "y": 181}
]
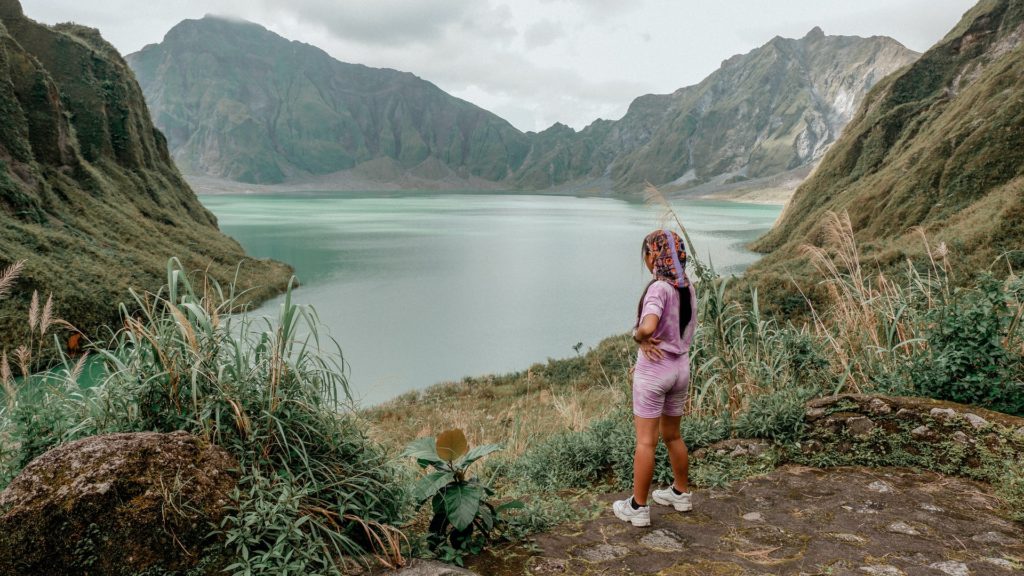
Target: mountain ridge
[{"x": 622, "y": 153}]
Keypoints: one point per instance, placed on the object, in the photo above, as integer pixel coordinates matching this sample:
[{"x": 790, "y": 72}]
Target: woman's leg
[
  {"x": 677, "y": 453},
  {"x": 643, "y": 458}
]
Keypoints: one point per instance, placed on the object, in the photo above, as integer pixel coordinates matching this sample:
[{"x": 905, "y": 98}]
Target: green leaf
[
  {"x": 430, "y": 483},
  {"x": 424, "y": 451},
  {"x": 486, "y": 517},
  {"x": 478, "y": 453},
  {"x": 462, "y": 502}
]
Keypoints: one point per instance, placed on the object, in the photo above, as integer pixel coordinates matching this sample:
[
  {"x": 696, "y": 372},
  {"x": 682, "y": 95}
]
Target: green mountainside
[
  {"x": 89, "y": 196},
  {"x": 239, "y": 102},
  {"x": 939, "y": 146}
]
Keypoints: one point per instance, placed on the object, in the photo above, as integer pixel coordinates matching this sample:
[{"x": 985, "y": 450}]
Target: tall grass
[{"x": 314, "y": 493}]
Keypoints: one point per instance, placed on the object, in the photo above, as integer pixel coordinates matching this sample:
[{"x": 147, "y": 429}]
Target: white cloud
[{"x": 543, "y": 33}]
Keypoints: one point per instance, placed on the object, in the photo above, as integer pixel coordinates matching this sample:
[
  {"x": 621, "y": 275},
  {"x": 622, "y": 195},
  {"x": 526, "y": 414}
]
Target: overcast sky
[{"x": 533, "y": 62}]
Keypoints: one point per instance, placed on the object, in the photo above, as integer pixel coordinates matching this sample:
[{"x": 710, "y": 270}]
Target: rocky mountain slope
[
  {"x": 239, "y": 102},
  {"x": 89, "y": 196},
  {"x": 775, "y": 109},
  {"x": 939, "y": 145}
]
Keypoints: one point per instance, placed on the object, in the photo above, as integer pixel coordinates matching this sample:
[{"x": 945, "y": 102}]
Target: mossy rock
[{"x": 116, "y": 504}]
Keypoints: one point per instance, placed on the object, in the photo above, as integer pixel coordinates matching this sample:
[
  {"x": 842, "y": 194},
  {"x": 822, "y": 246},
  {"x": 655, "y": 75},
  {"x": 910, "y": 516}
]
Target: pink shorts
[{"x": 660, "y": 388}]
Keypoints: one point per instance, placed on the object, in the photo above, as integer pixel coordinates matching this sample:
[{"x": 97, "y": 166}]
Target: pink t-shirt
[{"x": 662, "y": 300}]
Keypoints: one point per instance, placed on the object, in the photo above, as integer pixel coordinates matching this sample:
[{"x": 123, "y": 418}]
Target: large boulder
[{"x": 116, "y": 504}]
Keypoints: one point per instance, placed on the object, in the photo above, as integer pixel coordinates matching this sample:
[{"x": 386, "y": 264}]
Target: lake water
[{"x": 424, "y": 288}]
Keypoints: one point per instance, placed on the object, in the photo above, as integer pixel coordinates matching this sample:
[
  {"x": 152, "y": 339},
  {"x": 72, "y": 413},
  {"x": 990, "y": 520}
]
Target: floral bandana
[{"x": 669, "y": 257}]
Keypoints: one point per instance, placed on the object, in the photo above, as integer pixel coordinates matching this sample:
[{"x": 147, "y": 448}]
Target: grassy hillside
[
  {"x": 938, "y": 146},
  {"x": 89, "y": 197}
]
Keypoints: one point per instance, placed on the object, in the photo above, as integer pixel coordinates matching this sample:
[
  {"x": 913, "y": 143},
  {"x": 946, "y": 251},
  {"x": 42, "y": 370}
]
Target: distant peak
[
  {"x": 815, "y": 33},
  {"x": 226, "y": 18}
]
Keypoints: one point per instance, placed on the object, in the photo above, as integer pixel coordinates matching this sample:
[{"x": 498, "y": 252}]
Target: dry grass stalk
[
  {"x": 9, "y": 275},
  {"x": 33, "y": 311},
  {"x": 46, "y": 320},
  {"x": 7, "y": 380},
  {"x": 24, "y": 357}
]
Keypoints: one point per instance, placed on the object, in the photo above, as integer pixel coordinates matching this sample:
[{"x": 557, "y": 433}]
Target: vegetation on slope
[
  {"x": 89, "y": 197},
  {"x": 938, "y": 146}
]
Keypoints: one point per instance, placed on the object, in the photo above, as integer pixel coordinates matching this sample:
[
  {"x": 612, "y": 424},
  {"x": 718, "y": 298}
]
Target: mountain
[
  {"x": 775, "y": 109},
  {"x": 938, "y": 145},
  {"x": 242, "y": 103},
  {"x": 89, "y": 196}
]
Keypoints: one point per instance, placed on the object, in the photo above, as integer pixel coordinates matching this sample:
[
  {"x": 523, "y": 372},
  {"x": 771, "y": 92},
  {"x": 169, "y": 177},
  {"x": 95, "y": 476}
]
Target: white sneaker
[
  {"x": 624, "y": 511},
  {"x": 668, "y": 497}
]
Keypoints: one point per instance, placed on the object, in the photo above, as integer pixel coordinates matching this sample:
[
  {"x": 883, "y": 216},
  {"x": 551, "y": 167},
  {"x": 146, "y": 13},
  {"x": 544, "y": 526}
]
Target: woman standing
[{"x": 666, "y": 319}]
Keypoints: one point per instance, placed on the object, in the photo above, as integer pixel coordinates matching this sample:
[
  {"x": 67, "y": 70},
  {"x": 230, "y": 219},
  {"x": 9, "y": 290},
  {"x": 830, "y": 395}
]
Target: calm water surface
[{"x": 424, "y": 288}]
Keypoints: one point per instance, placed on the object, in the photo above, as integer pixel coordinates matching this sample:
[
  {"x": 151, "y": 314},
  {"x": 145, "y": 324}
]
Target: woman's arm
[{"x": 644, "y": 335}]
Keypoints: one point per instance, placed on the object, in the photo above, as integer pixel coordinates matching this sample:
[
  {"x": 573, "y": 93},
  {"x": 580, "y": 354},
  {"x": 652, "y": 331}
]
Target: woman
[{"x": 666, "y": 319}]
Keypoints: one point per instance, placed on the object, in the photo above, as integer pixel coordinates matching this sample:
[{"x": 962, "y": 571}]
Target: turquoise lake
[{"x": 424, "y": 288}]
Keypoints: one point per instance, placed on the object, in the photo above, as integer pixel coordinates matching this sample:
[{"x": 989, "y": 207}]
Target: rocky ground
[{"x": 795, "y": 520}]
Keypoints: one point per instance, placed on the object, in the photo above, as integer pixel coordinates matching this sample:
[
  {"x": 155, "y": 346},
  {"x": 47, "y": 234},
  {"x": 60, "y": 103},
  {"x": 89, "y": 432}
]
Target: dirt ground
[{"x": 795, "y": 520}]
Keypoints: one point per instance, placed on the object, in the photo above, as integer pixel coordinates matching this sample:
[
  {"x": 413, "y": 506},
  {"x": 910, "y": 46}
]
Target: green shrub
[
  {"x": 969, "y": 359},
  {"x": 462, "y": 517},
  {"x": 705, "y": 430},
  {"x": 573, "y": 459},
  {"x": 776, "y": 415}
]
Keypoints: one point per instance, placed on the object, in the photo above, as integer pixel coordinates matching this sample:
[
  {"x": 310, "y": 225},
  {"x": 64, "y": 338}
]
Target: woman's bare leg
[
  {"x": 677, "y": 453},
  {"x": 643, "y": 458}
]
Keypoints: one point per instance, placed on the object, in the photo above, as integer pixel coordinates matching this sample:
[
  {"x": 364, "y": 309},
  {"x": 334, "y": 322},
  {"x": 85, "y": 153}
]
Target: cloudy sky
[{"x": 533, "y": 62}]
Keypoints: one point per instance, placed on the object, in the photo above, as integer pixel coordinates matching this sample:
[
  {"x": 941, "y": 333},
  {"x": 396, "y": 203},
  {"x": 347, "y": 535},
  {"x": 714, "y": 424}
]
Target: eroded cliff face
[
  {"x": 774, "y": 109},
  {"x": 938, "y": 147},
  {"x": 89, "y": 197}
]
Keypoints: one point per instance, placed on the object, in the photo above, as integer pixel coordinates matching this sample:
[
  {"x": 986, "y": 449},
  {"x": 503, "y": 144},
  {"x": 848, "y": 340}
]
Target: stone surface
[
  {"x": 603, "y": 552},
  {"x": 813, "y": 521},
  {"x": 993, "y": 537},
  {"x": 880, "y": 486},
  {"x": 430, "y": 568},
  {"x": 976, "y": 421},
  {"x": 879, "y": 406},
  {"x": 901, "y": 527},
  {"x": 113, "y": 504},
  {"x": 1003, "y": 563},
  {"x": 882, "y": 570},
  {"x": 753, "y": 517},
  {"x": 921, "y": 432},
  {"x": 860, "y": 425},
  {"x": 664, "y": 540},
  {"x": 942, "y": 413},
  {"x": 952, "y": 568},
  {"x": 961, "y": 438}
]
